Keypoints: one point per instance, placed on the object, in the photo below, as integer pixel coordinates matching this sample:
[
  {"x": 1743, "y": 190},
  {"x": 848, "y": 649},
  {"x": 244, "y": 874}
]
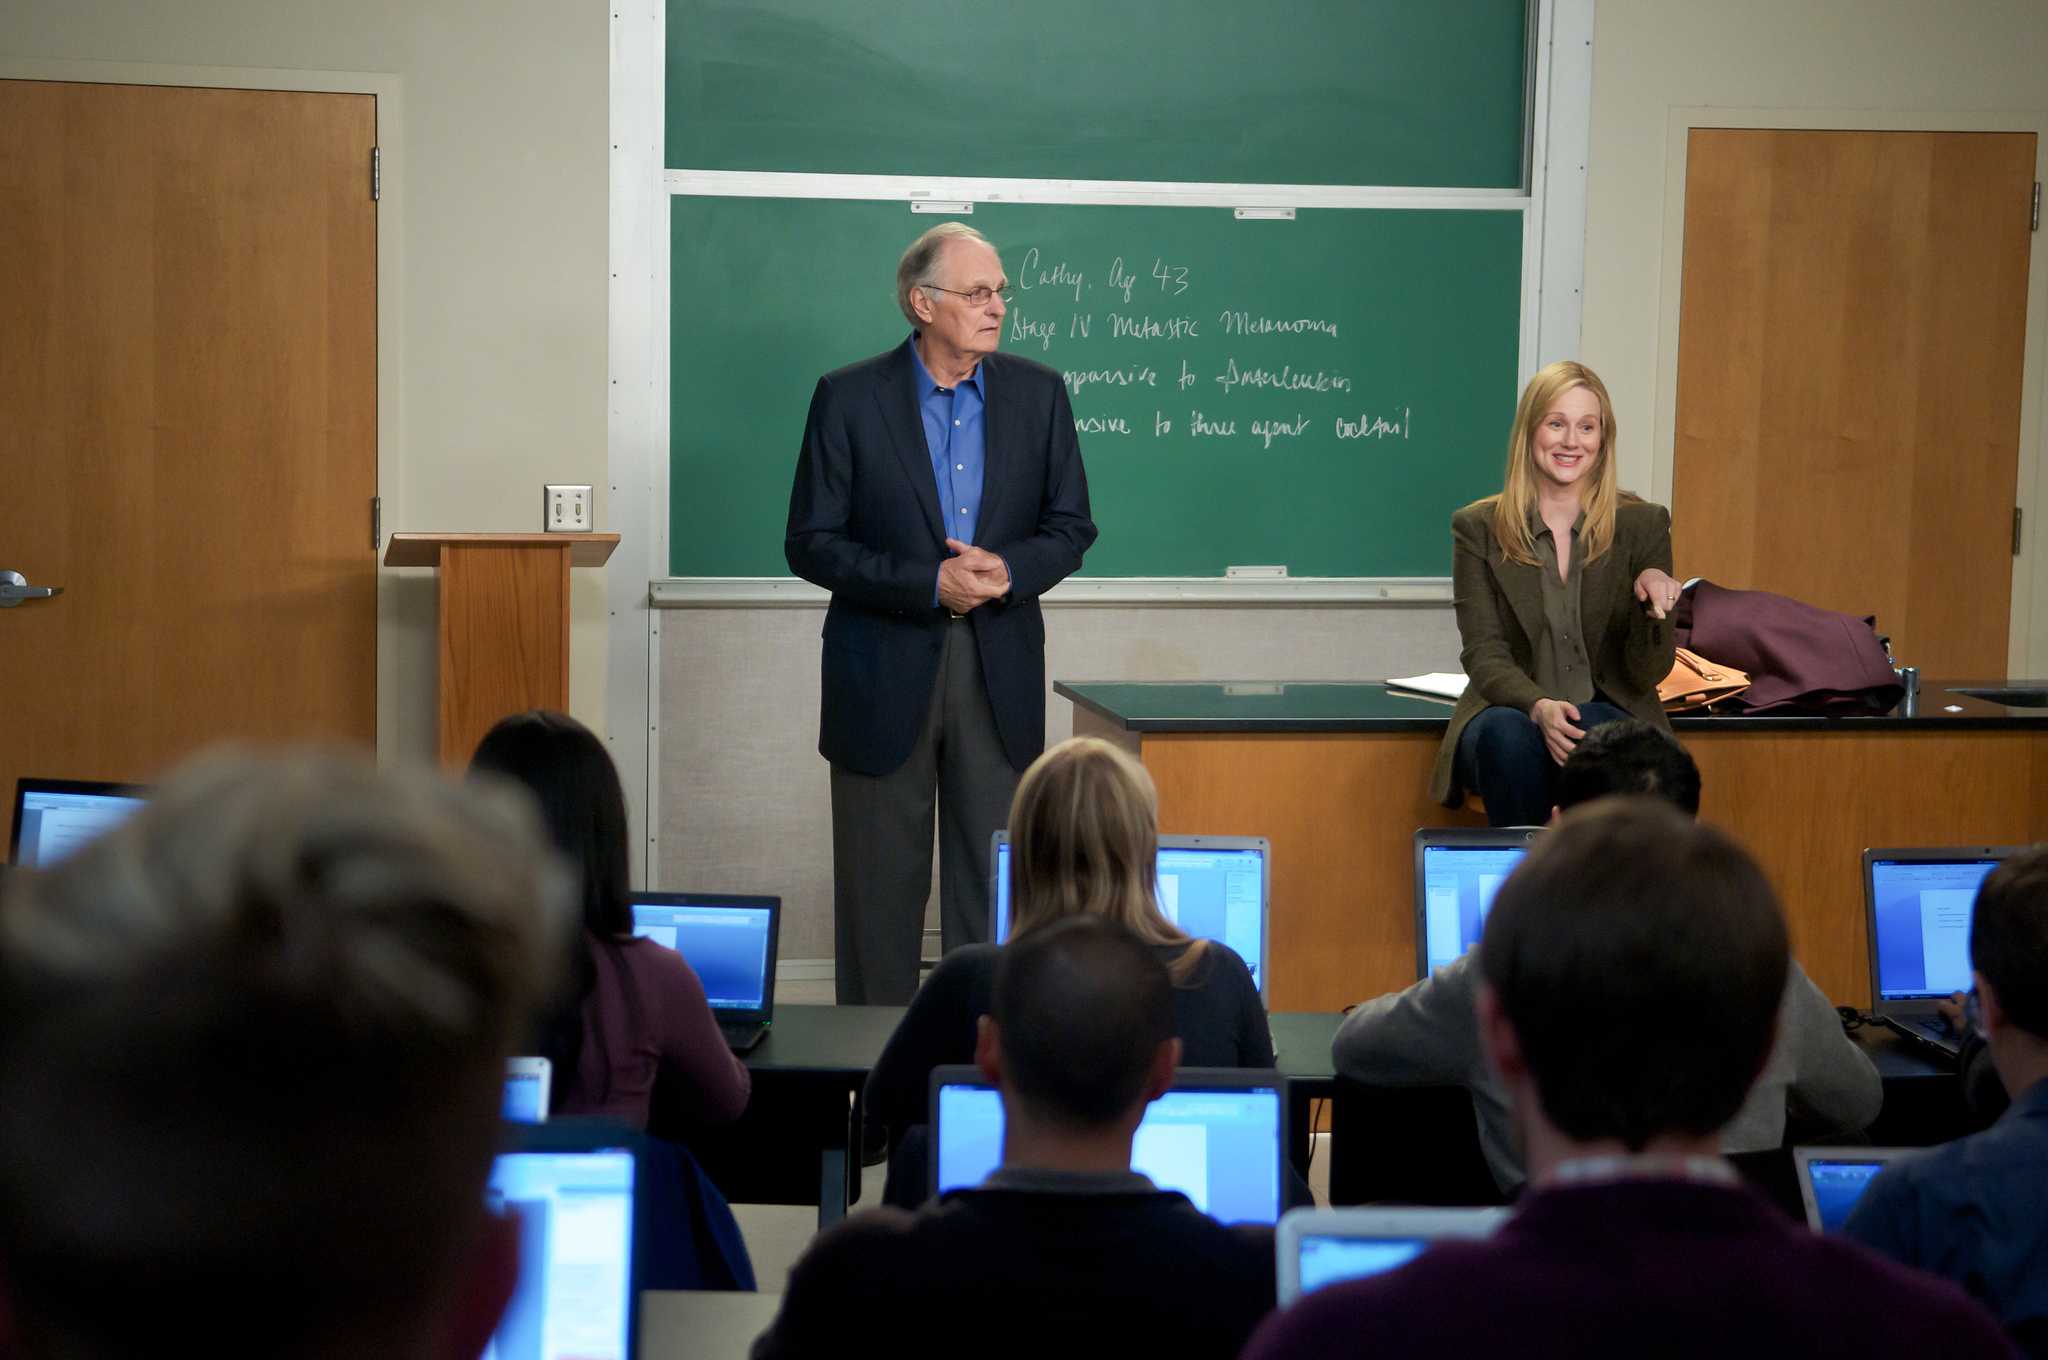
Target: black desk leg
[{"x": 835, "y": 1185}]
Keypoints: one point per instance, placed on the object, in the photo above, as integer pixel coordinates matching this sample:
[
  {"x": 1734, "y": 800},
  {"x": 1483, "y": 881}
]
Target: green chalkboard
[
  {"x": 1388, "y": 92},
  {"x": 1318, "y": 393}
]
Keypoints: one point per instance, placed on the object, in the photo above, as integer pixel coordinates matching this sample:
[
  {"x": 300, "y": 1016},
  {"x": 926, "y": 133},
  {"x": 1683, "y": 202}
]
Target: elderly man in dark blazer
[{"x": 939, "y": 493}]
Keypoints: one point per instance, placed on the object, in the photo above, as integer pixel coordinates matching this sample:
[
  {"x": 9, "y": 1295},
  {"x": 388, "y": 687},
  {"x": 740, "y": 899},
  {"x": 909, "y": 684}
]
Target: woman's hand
[
  {"x": 1657, "y": 591},
  {"x": 1554, "y": 718}
]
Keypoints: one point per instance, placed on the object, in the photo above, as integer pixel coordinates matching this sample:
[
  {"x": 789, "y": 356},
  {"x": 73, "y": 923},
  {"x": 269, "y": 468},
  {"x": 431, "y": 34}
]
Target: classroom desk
[{"x": 1336, "y": 777}]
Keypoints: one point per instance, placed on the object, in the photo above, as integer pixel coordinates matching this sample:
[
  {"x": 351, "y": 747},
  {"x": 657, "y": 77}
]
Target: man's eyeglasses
[{"x": 976, "y": 297}]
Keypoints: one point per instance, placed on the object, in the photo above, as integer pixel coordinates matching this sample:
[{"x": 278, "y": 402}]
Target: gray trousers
[{"x": 882, "y": 837}]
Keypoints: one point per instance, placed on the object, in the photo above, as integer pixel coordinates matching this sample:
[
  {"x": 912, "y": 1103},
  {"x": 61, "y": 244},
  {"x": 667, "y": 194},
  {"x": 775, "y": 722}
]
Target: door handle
[{"x": 14, "y": 588}]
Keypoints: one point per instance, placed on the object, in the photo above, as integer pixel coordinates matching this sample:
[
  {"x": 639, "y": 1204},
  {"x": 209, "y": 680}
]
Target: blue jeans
[{"x": 1502, "y": 758}]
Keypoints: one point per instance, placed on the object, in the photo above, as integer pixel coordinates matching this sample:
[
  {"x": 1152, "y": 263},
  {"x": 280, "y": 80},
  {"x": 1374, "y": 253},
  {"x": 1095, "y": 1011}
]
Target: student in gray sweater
[{"x": 1426, "y": 1035}]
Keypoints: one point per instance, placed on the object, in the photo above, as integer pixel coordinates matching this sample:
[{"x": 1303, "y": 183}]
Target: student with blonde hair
[
  {"x": 1564, "y": 593},
  {"x": 1084, "y": 840}
]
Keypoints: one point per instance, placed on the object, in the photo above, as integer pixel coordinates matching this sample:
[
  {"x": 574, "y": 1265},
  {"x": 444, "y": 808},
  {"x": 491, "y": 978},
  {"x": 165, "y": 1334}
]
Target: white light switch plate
[{"x": 567, "y": 510}]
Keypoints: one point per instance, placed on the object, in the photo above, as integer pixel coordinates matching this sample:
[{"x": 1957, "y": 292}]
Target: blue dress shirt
[
  {"x": 956, "y": 438},
  {"x": 1973, "y": 1211}
]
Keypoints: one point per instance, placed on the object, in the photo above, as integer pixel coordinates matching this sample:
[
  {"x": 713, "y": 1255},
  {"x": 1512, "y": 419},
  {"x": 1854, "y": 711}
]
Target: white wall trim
[
  {"x": 393, "y": 743},
  {"x": 636, "y": 417},
  {"x": 1206, "y": 592},
  {"x": 2027, "y": 635},
  {"x": 803, "y": 970}
]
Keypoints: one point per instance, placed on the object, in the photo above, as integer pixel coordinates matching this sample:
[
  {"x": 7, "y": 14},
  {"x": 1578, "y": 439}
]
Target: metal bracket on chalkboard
[
  {"x": 950, "y": 205},
  {"x": 1265, "y": 214}
]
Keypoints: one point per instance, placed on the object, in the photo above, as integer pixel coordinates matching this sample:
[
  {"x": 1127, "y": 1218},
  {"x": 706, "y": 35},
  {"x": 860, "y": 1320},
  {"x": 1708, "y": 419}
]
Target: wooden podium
[{"x": 504, "y": 629}]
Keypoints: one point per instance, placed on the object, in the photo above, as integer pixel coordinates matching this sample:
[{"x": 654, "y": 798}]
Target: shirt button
[
  {"x": 956, "y": 422},
  {"x": 960, "y": 467}
]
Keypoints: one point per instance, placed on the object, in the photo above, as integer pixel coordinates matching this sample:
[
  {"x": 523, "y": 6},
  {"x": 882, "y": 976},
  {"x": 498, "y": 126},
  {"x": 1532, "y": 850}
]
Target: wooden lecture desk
[{"x": 1336, "y": 777}]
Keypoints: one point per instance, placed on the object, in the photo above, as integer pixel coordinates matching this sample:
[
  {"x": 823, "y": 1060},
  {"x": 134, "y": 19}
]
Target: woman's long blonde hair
[
  {"x": 1517, "y": 498},
  {"x": 1084, "y": 838}
]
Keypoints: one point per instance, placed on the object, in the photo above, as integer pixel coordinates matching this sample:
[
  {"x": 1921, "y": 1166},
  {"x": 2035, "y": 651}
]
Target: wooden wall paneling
[
  {"x": 1851, "y": 335},
  {"x": 1341, "y": 811},
  {"x": 504, "y": 638},
  {"x": 1807, "y": 805}
]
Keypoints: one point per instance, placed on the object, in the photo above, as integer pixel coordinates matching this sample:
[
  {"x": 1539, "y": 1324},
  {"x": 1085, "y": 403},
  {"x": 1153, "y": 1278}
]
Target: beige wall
[
  {"x": 1914, "y": 57},
  {"x": 494, "y": 127}
]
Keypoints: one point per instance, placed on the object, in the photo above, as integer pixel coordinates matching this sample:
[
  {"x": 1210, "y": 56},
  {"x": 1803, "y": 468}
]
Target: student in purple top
[{"x": 1634, "y": 1237}]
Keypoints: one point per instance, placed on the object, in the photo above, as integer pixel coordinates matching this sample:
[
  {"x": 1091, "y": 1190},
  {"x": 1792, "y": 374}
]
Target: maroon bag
[{"x": 1800, "y": 659}]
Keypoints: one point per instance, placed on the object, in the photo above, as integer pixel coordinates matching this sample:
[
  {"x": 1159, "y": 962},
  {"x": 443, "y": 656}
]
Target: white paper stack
[{"x": 1437, "y": 684}]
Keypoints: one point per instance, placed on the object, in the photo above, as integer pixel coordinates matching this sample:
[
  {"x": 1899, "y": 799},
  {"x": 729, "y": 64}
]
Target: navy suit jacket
[{"x": 865, "y": 523}]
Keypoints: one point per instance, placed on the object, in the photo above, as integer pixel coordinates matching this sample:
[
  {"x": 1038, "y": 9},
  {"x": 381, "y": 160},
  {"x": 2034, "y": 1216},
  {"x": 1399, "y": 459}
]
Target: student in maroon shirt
[
  {"x": 628, "y": 1010},
  {"x": 1632, "y": 969}
]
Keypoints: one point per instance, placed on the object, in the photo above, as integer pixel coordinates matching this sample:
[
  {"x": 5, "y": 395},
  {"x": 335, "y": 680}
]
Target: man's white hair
[{"x": 920, "y": 264}]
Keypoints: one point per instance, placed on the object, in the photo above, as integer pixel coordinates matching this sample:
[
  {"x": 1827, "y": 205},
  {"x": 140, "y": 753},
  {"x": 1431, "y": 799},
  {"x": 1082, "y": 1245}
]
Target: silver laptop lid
[
  {"x": 1457, "y": 872},
  {"x": 1917, "y": 902},
  {"x": 1212, "y": 887},
  {"x": 1833, "y": 1179}
]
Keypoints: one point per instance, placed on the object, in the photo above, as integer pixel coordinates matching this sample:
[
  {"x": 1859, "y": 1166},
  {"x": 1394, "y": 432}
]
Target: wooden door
[
  {"x": 1851, "y": 336},
  {"x": 188, "y": 375}
]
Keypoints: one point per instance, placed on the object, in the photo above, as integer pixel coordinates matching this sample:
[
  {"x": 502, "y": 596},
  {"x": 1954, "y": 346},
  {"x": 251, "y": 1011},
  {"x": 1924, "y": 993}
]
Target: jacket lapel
[
  {"x": 897, "y": 398},
  {"x": 1523, "y": 586}
]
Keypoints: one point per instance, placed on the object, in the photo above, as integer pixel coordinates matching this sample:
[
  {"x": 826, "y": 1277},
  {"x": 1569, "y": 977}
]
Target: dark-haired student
[
  {"x": 1634, "y": 1238},
  {"x": 627, "y": 1010},
  {"x": 1428, "y": 1034},
  {"x": 1976, "y": 1210},
  {"x": 1064, "y": 1251}
]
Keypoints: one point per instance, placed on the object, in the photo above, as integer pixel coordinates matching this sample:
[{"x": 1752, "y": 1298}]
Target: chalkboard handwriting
[
  {"x": 1119, "y": 279},
  {"x": 1273, "y": 429},
  {"x": 1287, "y": 380},
  {"x": 1041, "y": 331},
  {"x": 1078, "y": 378},
  {"x": 1031, "y": 275},
  {"x": 1152, "y": 328},
  {"x": 1244, "y": 323},
  {"x": 1198, "y": 425},
  {"x": 1101, "y": 425},
  {"x": 1376, "y": 427},
  {"x": 1172, "y": 278}
]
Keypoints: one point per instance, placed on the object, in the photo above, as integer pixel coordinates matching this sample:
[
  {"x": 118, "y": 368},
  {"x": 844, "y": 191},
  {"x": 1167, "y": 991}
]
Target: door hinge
[
  {"x": 377, "y": 524},
  {"x": 377, "y": 175},
  {"x": 2015, "y": 531}
]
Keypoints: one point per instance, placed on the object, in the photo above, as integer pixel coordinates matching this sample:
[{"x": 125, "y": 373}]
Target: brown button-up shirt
[{"x": 1562, "y": 666}]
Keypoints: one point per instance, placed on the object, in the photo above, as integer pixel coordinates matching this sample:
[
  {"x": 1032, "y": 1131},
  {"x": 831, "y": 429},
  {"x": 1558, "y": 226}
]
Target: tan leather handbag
[{"x": 1695, "y": 682}]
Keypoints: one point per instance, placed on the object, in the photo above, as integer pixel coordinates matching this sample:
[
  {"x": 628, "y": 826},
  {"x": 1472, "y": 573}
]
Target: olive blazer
[{"x": 1500, "y": 614}]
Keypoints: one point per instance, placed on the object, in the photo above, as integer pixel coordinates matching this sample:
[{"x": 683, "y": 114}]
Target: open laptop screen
[
  {"x": 1219, "y": 1144},
  {"x": 1457, "y": 874},
  {"x": 1832, "y": 1179},
  {"x": 1318, "y": 1247},
  {"x": 575, "y": 1292},
  {"x": 54, "y": 817},
  {"x": 730, "y": 943},
  {"x": 1211, "y": 891},
  {"x": 1920, "y": 924}
]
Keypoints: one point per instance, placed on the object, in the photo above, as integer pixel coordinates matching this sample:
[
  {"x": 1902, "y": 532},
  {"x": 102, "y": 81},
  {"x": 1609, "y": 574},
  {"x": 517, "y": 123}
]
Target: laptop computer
[
  {"x": 527, "y": 1080},
  {"x": 578, "y": 1187},
  {"x": 1212, "y": 887},
  {"x": 1219, "y": 1137},
  {"x": 1833, "y": 1179},
  {"x": 53, "y": 817},
  {"x": 730, "y": 942},
  {"x": 1317, "y": 1247},
  {"x": 1457, "y": 872},
  {"x": 1917, "y": 902}
]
